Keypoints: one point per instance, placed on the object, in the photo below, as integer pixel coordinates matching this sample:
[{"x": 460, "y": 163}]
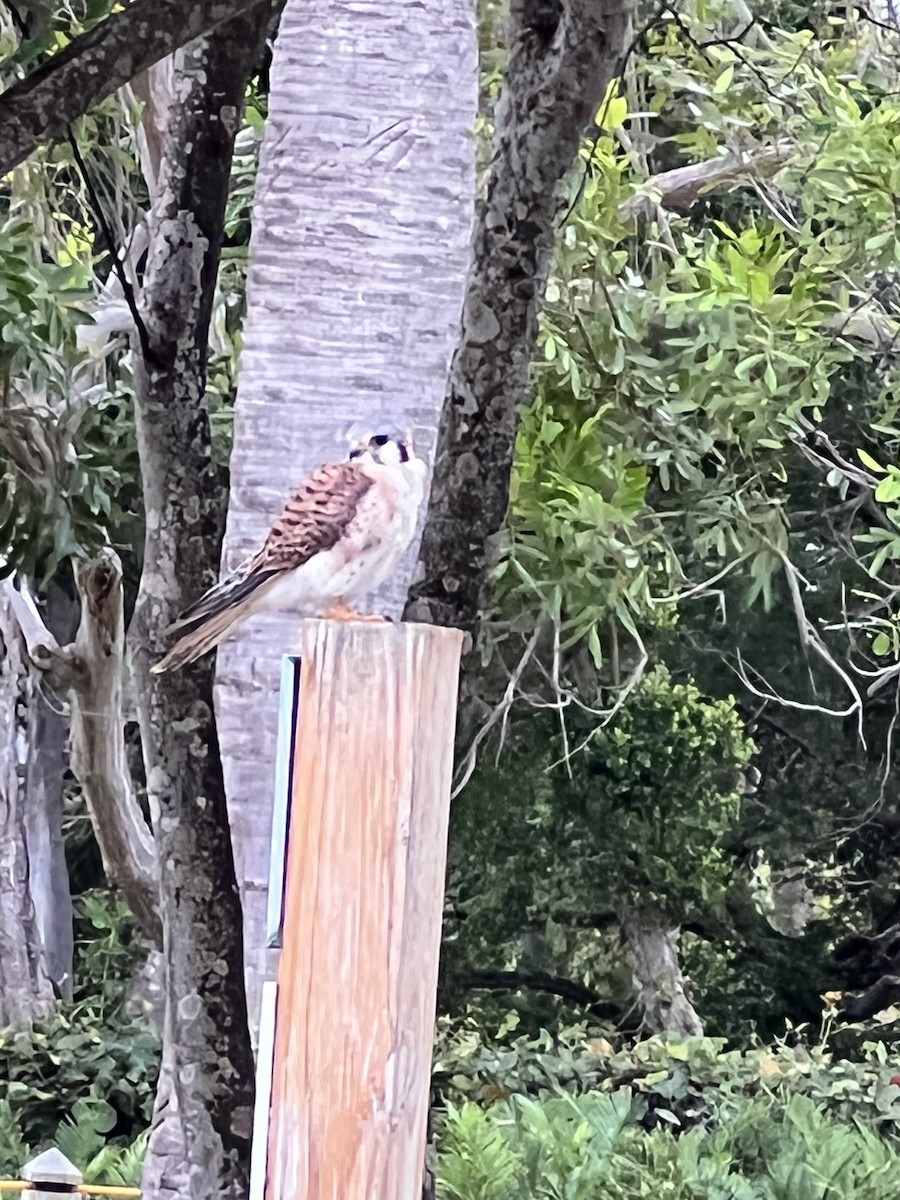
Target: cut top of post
[{"x": 54, "y": 1168}]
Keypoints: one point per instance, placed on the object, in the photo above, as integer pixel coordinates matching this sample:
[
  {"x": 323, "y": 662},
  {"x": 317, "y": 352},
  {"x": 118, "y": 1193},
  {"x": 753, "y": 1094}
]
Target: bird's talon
[{"x": 340, "y": 612}]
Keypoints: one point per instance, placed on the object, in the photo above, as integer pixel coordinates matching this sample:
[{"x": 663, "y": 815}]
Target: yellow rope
[{"x": 93, "y": 1190}]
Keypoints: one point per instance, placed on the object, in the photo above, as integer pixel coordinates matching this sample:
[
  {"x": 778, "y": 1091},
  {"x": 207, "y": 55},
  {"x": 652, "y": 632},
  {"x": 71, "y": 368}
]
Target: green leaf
[
  {"x": 868, "y": 461},
  {"x": 613, "y": 113},
  {"x": 889, "y": 488},
  {"x": 722, "y": 84}
]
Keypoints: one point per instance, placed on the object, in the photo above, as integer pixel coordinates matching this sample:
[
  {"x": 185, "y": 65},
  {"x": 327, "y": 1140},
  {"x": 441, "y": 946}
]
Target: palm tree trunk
[{"x": 360, "y": 245}]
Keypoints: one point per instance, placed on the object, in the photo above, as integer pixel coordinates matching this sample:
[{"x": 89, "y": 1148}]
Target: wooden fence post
[{"x": 362, "y": 909}]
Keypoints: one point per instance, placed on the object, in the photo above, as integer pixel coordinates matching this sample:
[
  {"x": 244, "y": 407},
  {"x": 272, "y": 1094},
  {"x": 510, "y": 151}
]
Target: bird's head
[{"x": 387, "y": 449}]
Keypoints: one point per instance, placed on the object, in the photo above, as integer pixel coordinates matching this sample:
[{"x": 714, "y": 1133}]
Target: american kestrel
[{"x": 341, "y": 534}]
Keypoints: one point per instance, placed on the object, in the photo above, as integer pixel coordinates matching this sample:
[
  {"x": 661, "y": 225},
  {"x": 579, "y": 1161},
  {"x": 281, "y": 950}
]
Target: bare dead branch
[
  {"x": 812, "y": 642},
  {"x": 682, "y": 187},
  {"x": 91, "y": 669},
  {"x": 99, "y": 761},
  {"x": 58, "y": 663},
  {"x": 500, "y": 712}
]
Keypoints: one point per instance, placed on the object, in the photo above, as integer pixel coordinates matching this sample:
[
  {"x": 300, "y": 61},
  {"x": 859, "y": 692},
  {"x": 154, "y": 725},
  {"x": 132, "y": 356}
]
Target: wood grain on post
[{"x": 363, "y": 905}]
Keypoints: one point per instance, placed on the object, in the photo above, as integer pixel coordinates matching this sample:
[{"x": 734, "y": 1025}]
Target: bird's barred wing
[{"x": 313, "y": 520}]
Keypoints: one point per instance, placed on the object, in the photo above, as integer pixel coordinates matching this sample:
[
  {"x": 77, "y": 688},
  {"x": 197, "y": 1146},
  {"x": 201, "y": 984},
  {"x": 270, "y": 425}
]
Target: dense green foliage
[
  {"x": 85, "y": 1079},
  {"x": 572, "y": 1117},
  {"x": 639, "y": 814},
  {"x": 704, "y": 481},
  {"x": 592, "y": 1146}
]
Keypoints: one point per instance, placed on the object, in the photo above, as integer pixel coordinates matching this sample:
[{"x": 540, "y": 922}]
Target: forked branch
[{"x": 91, "y": 668}]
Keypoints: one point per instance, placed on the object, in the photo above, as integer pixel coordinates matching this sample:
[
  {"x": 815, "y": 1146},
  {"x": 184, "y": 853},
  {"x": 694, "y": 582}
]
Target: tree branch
[
  {"x": 91, "y": 670},
  {"x": 682, "y": 187},
  {"x": 57, "y": 662},
  {"x": 863, "y": 1005},
  {"x": 99, "y": 760},
  {"x": 94, "y": 65},
  {"x": 539, "y": 981}
]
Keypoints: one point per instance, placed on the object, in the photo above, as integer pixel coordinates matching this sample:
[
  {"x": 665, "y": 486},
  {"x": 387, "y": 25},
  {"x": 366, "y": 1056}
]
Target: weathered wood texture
[
  {"x": 99, "y": 757},
  {"x": 47, "y": 755},
  {"x": 361, "y": 233},
  {"x": 364, "y": 896}
]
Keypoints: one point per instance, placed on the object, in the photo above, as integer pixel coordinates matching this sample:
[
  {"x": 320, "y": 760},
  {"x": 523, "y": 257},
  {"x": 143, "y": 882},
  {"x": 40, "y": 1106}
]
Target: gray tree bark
[
  {"x": 44, "y": 774},
  {"x": 659, "y": 984},
  {"x": 200, "y": 1146},
  {"x": 25, "y": 991},
  {"x": 563, "y": 55},
  {"x": 361, "y": 232},
  {"x": 92, "y": 66}
]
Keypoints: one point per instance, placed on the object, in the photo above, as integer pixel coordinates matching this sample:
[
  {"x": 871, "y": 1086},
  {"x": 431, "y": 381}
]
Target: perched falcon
[{"x": 341, "y": 534}]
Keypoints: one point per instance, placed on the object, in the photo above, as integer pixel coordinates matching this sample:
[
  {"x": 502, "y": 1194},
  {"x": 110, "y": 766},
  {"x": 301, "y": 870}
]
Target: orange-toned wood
[{"x": 362, "y": 915}]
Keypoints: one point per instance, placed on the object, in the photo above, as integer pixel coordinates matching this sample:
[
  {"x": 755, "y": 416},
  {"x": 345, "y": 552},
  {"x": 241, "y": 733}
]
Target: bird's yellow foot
[{"x": 340, "y": 612}]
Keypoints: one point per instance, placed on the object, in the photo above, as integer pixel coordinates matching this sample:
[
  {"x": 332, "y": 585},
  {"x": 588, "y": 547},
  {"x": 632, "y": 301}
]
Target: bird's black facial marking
[
  {"x": 356, "y": 453},
  {"x": 404, "y": 453},
  {"x": 380, "y": 439}
]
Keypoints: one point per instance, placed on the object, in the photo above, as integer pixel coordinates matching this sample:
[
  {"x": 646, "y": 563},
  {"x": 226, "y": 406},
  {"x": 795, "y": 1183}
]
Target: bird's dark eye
[{"x": 380, "y": 439}]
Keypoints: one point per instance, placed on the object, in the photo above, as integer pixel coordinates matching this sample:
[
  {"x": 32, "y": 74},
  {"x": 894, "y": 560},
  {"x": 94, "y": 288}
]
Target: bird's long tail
[
  {"x": 199, "y": 641},
  {"x": 214, "y": 615}
]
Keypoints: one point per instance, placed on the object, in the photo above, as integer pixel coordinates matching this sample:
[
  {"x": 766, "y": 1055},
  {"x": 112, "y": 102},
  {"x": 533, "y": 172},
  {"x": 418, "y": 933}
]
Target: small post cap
[{"x": 52, "y": 1167}]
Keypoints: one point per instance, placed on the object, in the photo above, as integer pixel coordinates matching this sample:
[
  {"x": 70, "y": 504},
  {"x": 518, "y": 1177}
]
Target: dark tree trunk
[
  {"x": 204, "y": 1114},
  {"x": 563, "y": 55}
]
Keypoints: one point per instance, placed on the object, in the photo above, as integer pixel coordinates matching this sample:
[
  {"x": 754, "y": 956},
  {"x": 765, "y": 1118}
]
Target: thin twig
[
  {"x": 498, "y": 713},
  {"x": 118, "y": 265}
]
